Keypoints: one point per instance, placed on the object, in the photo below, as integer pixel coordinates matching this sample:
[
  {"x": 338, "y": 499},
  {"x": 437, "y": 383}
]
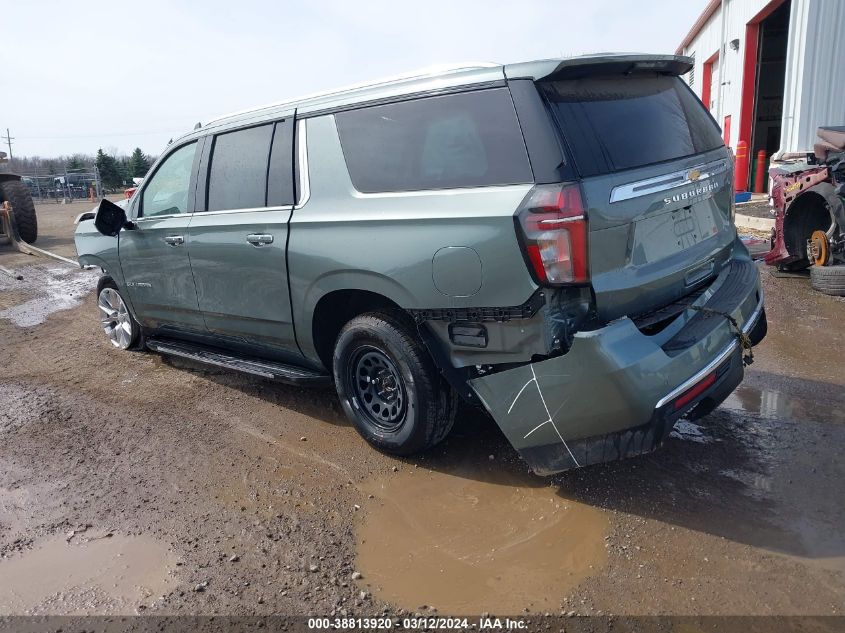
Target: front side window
[
  {"x": 469, "y": 139},
  {"x": 167, "y": 191},
  {"x": 238, "y": 175}
]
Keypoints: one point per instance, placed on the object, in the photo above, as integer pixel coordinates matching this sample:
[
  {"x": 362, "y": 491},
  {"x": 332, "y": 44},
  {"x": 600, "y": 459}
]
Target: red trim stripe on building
[{"x": 705, "y": 16}]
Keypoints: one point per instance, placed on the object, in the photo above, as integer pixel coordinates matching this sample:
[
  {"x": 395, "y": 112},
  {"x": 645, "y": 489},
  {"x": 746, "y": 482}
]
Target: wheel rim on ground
[
  {"x": 114, "y": 317},
  {"x": 819, "y": 251},
  {"x": 378, "y": 388}
]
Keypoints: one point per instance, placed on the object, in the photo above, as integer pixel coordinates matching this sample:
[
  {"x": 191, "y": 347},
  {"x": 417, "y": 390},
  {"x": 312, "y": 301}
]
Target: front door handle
[
  {"x": 174, "y": 240},
  {"x": 259, "y": 239}
]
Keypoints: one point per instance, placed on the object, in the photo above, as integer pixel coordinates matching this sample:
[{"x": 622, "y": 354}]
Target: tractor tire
[
  {"x": 829, "y": 280},
  {"x": 17, "y": 194}
]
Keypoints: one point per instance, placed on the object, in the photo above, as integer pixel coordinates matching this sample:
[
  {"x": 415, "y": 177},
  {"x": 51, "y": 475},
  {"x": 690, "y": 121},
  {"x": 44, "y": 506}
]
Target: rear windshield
[{"x": 616, "y": 123}]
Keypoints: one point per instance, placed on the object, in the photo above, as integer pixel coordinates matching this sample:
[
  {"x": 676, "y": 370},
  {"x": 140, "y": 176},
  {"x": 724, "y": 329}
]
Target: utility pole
[{"x": 9, "y": 140}]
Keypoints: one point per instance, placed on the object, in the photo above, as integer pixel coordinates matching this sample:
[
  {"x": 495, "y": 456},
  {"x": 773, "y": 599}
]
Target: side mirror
[{"x": 110, "y": 218}]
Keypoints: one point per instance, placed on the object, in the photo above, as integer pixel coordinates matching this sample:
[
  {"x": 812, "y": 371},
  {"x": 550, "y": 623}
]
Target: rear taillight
[{"x": 554, "y": 234}]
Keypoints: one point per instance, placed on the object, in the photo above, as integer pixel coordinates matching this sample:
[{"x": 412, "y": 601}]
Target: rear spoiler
[{"x": 599, "y": 64}]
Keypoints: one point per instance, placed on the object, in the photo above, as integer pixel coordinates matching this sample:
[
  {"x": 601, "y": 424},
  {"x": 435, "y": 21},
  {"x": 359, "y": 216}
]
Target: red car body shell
[{"x": 786, "y": 187}]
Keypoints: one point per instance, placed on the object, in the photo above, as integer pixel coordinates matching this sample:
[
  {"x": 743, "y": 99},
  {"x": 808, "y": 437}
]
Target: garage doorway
[{"x": 771, "y": 72}]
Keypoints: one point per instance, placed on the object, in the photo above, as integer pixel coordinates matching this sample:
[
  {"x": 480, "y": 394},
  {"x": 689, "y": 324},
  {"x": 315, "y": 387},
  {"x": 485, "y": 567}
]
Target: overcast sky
[{"x": 77, "y": 76}]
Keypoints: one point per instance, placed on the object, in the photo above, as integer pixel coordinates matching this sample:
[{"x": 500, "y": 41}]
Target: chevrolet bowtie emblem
[{"x": 693, "y": 175}]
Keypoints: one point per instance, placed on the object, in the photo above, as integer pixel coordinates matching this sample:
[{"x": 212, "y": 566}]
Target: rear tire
[
  {"x": 829, "y": 280},
  {"x": 389, "y": 386},
  {"x": 17, "y": 194}
]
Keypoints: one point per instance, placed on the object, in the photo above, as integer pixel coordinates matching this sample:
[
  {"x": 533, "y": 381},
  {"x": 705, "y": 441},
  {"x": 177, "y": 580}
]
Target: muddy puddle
[
  {"x": 42, "y": 290},
  {"x": 86, "y": 575},
  {"x": 466, "y": 546},
  {"x": 771, "y": 404},
  {"x": 797, "y": 492}
]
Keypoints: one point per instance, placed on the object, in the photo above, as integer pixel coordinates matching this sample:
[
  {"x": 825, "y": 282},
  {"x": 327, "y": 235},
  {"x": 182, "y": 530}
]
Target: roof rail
[{"x": 428, "y": 71}]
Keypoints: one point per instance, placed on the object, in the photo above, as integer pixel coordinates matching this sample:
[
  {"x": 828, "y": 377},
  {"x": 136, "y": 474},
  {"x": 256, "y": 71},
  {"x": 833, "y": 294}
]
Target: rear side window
[
  {"x": 238, "y": 175},
  {"x": 622, "y": 122},
  {"x": 470, "y": 139}
]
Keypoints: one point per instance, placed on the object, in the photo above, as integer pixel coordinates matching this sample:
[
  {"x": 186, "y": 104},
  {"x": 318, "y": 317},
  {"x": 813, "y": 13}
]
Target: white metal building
[{"x": 771, "y": 71}]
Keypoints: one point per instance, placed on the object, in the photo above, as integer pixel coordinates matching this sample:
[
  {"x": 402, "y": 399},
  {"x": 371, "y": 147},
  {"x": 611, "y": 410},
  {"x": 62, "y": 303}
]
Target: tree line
[{"x": 115, "y": 171}]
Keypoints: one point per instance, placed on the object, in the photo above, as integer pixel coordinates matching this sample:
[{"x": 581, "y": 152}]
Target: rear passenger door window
[
  {"x": 468, "y": 139},
  {"x": 237, "y": 178},
  {"x": 252, "y": 168}
]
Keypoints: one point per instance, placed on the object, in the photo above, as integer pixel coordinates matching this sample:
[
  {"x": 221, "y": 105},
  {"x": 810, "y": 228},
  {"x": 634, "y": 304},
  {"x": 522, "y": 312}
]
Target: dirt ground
[
  {"x": 756, "y": 208},
  {"x": 131, "y": 483}
]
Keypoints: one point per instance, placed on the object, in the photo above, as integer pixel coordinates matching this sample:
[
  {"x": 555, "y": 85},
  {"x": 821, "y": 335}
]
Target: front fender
[
  {"x": 95, "y": 249},
  {"x": 787, "y": 193}
]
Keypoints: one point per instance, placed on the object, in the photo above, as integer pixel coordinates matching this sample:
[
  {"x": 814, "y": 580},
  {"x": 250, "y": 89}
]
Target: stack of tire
[
  {"x": 17, "y": 194},
  {"x": 829, "y": 280}
]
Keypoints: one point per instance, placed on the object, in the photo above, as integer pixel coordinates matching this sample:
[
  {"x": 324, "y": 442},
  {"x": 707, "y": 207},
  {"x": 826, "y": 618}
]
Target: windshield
[{"x": 622, "y": 122}]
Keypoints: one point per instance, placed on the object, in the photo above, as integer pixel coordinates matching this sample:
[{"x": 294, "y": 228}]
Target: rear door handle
[
  {"x": 174, "y": 240},
  {"x": 259, "y": 239}
]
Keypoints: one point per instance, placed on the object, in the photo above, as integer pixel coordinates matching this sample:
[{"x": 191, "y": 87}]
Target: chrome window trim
[
  {"x": 517, "y": 187},
  {"x": 665, "y": 182},
  {"x": 286, "y": 207},
  {"x": 150, "y": 218},
  {"x": 712, "y": 365},
  {"x": 303, "y": 184}
]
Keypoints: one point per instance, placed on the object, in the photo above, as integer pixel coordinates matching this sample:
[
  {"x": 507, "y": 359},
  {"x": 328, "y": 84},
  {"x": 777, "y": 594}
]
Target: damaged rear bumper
[{"x": 618, "y": 392}]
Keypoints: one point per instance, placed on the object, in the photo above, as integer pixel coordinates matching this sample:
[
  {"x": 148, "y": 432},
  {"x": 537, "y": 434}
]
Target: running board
[{"x": 290, "y": 374}]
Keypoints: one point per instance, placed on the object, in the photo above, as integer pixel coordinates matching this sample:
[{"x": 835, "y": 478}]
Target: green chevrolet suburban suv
[{"x": 552, "y": 241}]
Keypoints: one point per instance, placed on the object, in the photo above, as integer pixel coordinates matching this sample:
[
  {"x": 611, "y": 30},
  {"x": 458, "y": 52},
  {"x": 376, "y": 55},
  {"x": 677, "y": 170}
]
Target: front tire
[
  {"x": 117, "y": 322},
  {"x": 389, "y": 386}
]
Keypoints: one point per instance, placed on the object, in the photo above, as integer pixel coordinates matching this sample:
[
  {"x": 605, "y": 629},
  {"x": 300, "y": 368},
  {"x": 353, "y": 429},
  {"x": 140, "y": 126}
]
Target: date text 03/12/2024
[{"x": 417, "y": 623}]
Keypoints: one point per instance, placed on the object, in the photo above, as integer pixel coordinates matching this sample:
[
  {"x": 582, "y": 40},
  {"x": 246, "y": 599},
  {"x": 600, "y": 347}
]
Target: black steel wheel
[{"x": 379, "y": 388}]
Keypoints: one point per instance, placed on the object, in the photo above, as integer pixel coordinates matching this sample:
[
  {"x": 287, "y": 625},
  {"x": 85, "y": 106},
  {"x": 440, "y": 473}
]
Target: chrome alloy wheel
[{"x": 115, "y": 318}]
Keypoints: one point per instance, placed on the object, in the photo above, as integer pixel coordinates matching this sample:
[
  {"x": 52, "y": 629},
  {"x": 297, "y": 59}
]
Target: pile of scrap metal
[{"x": 808, "y": 197}]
